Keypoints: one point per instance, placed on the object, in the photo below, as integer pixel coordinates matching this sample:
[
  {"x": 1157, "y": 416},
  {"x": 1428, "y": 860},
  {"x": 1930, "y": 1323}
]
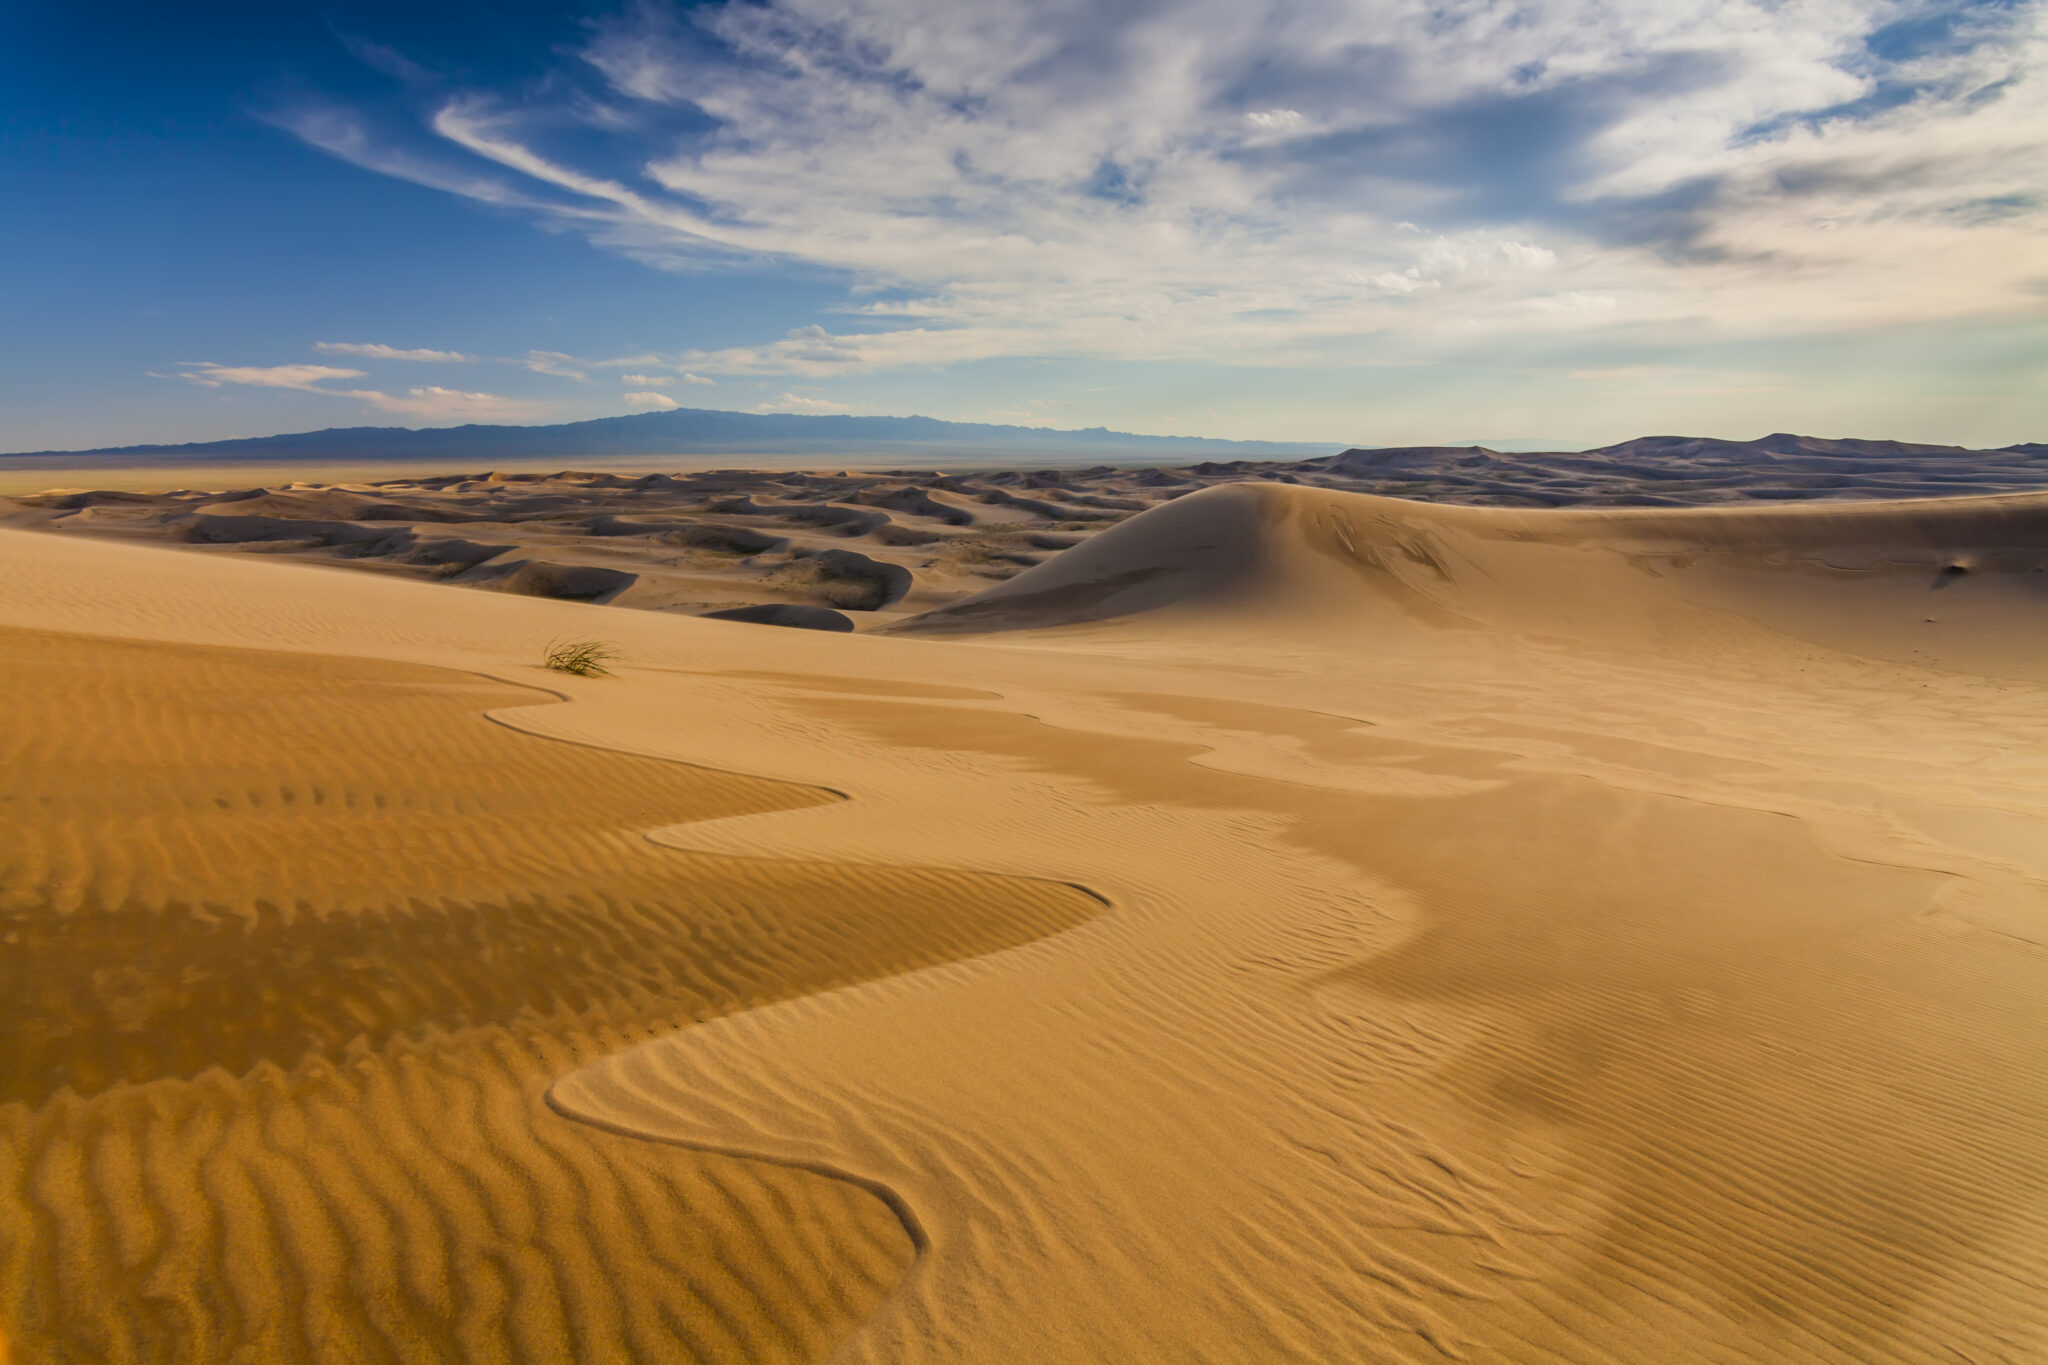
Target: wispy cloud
[
  {"x": 552, "y": 363},
  {"x": 428, "y": 401},
  {"x": 794, "y": 402},
  {"x": 647, "y": 381},
  {"x": 1275, "y": 182},
  {"x": 263, "y": 376},
  {"x": 655, "y": 401},
  {"x": 435, "y": 402},
  {"x": 373, "y": 351}
]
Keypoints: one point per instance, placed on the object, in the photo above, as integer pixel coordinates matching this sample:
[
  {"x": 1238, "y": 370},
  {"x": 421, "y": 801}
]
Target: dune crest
[{"x": 1857, "y": 576}]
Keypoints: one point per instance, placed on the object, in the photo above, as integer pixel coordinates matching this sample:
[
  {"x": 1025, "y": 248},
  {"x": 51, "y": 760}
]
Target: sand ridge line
[
  {"x": 426, "y": 1178},
  {"x": 506, "y": 716},
  {"x": 666, "y": 835}
]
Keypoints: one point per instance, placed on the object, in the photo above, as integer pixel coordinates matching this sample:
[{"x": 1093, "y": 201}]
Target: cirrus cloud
[
  {"x": 428, "y": 401},
  {"x": 373, "y": 351},
  {"x": 1283, "y": 183},
  {"x": 794, "y": 402},
  {"x": 212, "y": 376}
]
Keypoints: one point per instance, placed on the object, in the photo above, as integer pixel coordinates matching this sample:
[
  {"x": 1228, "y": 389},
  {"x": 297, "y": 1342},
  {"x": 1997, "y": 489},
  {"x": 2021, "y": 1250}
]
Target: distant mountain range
[
  {"x": 1648, "y": 469},
  {"x": 701, "y": 431}
]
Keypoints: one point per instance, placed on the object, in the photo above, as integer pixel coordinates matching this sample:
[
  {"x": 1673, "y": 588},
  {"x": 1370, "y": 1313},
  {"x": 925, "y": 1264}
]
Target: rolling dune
[
  {"x": 1855, "y": 575},
  {"x": 1607, "y": 997},
  {"x": 1597, "y": 935},
  {"x": 293, "y": 944}
]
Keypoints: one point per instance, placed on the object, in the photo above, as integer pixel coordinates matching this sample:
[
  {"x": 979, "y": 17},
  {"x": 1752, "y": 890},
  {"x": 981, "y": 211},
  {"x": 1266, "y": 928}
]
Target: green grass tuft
[{"x": 584, "y": 658}]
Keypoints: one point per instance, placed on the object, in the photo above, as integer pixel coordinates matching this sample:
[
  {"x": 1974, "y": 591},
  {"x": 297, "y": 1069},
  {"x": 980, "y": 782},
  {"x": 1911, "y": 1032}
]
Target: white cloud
[
  {"x": 1575, "y": 301},
  {"x": 264, "y": 376},
  {"x": 791, "y": 402},
  {"x": 373, "y": 351},
  {"x": 1401, "y": 282},
  {"x": 658, "y": 401},
  {"x": 1622, "y": 373},
  {"x": 1433, "y": 173},
  {"x": 647, "y": 381},
  {"x": 1275, "y": 120},
  {"x": 552, "y": 363},
  {"x": 689, "y": 378},
  {"x": 431, "y": 401}
]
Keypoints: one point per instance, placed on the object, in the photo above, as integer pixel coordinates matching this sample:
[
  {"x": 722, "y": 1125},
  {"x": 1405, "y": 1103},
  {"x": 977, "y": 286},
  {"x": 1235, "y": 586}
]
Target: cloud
[
  {"x": 431, "y": 401},
  {"x": 373, "y": 351},
  {"x": 1621, "y": 373},
  {"x": 434, "y": 401},
  {"x": 647, "y": 381},
  {"x": 1269, "y": 182},
  {"x": 552, "y": 363},
  {"x": 689, "y": 378},
  {"x": 791, "y": 402},
  {"x": 657, "y": 401},
  {"x": 263, "y": 376},
  {"x": 1275, "y": 120}
]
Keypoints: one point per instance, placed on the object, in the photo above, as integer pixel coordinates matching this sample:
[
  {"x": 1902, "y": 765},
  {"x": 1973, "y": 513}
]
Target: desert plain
[{"x": 1224, "y": 914}]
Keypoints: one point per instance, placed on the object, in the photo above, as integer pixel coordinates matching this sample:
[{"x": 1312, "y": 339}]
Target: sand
[
  {"x": 870, "y": 547},
  {"x": 1294, "y": 925}
]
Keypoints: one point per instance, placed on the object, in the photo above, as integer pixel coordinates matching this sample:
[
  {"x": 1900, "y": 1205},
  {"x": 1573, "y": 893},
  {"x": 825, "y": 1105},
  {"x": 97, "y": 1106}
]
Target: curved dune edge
[
  {"x": 721, "y": 1086},
  {"x": 153, "y": 1103},
  {"x": 760, "y": 1081}
]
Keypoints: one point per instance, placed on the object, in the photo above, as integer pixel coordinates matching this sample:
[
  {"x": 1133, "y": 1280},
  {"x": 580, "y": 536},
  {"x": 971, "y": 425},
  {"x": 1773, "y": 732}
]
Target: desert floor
[{"x": 1291, "y": 925}]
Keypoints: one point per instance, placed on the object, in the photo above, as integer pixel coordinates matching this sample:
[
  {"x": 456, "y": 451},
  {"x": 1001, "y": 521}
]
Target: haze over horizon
[{"x": 1381, "y": 224}]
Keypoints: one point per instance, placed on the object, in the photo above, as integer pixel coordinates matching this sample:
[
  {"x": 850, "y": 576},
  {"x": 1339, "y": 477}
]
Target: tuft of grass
[{"x": 584, "y": 658}]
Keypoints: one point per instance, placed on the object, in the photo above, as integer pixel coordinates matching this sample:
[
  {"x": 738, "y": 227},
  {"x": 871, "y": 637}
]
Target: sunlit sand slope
[
  {"x": 292, "y": 945},
  {"x": 1532, "y": 937},
  {"x": 1924, "y": 579},
  {"x": 1537, "y": 936}
]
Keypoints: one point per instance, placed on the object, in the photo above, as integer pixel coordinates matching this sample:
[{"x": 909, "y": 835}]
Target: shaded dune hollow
[{"x": 293, "y": 946}]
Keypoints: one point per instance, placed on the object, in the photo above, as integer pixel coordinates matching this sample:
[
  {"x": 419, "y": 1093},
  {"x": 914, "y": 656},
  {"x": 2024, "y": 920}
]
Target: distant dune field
[
  {"x": 1290, "y": 924},
  {"x": 865, "y": 547}
]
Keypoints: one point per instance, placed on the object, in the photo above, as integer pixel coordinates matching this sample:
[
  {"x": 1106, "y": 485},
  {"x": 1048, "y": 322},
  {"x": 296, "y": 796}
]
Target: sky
[{"x": 1371, "y": 222}]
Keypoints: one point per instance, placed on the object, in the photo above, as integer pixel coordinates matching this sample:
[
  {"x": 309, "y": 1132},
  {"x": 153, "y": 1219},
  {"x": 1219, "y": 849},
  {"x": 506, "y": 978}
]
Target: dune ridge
[
  {"x": 826, "y": 550},
  {"x": 1847, "y": 575},
  {"x": 285, "y": 984}
]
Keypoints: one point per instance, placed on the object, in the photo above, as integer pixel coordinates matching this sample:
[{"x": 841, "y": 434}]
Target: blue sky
[{"x": 1352, "y": 221}]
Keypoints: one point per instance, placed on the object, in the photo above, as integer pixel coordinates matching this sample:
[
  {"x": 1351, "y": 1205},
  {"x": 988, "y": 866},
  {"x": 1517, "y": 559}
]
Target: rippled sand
[{"x": 1294, "y": 926}]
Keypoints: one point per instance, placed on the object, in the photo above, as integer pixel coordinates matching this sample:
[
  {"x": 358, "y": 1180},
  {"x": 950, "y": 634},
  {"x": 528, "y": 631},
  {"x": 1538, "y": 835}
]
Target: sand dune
[
  {"x": 1290, "y": 924},
  {"x": 292, "y": 950},
  {"x": 885, "y": 544},
  {"x": 1934, "y": 580}
]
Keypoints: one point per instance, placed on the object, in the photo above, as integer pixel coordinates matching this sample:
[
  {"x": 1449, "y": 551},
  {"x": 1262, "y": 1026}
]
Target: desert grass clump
[{"x": 584, "y": 658}]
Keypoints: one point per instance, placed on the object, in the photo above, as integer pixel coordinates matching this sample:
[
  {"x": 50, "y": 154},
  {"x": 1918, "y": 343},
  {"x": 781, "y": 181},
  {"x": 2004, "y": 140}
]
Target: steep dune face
[{"x": 1893, "y": 580}]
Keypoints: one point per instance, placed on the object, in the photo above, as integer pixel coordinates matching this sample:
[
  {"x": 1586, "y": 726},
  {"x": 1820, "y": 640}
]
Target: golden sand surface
[
  {"x": 1547, "y": 936},
  {"x": 292, "y": 945}
]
